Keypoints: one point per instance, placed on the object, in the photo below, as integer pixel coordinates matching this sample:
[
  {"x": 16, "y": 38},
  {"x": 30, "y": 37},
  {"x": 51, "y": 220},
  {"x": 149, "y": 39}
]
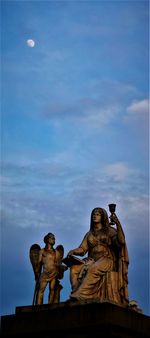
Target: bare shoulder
[{"x": 87, "y": 234}]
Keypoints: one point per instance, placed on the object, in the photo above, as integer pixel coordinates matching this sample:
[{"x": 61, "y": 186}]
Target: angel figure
[{"x": 48, "y": 269}]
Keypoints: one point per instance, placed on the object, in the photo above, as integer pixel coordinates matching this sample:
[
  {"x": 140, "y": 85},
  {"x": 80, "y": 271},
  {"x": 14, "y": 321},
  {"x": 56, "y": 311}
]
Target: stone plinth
[{"x": 76, "y": 320}]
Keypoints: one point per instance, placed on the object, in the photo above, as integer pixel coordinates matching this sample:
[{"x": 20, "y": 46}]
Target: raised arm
[{"x": 120, "y": 233}]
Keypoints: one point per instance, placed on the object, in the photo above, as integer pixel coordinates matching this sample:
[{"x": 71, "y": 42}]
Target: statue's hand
[
  {"x": 114, "y": 219},
  {"x": 70, "y": 253}
]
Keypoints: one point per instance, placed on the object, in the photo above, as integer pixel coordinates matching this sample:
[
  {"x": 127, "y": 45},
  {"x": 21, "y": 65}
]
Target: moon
[{"x": 30, "y": 43}]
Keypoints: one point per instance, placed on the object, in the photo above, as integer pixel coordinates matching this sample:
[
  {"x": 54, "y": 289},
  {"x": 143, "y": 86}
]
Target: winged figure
[{"x": 48, "y": 269}]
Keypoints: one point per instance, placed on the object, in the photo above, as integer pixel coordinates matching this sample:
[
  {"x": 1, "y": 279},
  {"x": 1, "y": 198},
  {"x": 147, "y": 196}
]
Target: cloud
[
  {"x": 139, "y": 107},
  {"x": 32, "y": 188},
  {"x": 119, "y": 171},
  {"x": 33, "y": 197},
  {"x": 101, "y": 103},
  {"x": 86, "y": 111},
  {"x": 136, "y": 119}
]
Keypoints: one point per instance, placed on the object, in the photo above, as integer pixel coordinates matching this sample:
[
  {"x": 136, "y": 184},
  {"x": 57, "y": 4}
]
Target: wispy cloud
[
  {"x": 137, "y": 118},
  {"x": 31, "y": 192},
  {"x": 89, "y": 112},
  {"x": 139, "y": 107},
  {"x": 102, "y": 103},
  {"x": 119, "y": 171}
]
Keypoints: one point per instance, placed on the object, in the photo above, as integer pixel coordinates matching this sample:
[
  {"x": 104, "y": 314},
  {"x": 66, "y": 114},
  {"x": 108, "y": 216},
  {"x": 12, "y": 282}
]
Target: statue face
[
  {"x": 96, "y": 217},
  {"x": 51, "y": 239}
]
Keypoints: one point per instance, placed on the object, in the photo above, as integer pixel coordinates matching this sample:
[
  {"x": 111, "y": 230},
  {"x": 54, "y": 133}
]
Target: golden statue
[
  {"x": 103, "y": 275},
  {"x": 48, "y": 269}
]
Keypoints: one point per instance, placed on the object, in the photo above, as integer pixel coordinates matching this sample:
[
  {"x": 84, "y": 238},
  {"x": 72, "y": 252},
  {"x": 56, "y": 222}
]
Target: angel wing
[
  {"x": 34, "y": 258},
  {"x": 62, "y": 267},
  {"x": 60, "y": 250}
]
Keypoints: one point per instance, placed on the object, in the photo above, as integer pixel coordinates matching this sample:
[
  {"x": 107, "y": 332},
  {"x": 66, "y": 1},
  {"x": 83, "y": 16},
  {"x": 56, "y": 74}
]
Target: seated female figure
[{"x": 95, "y": 278}]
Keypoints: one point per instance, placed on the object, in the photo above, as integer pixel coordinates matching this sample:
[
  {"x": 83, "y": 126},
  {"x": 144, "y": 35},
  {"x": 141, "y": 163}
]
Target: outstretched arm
[{"x": 78, "y": 251}]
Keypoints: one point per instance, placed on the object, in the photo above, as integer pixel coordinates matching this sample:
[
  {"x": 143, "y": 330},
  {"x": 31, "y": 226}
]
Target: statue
[
  {"x": 48, "y": 269},
  {"x": 103, "y": 275}
]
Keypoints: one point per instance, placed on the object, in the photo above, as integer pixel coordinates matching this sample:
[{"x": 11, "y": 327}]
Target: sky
[{"x": 74, "y": 133}]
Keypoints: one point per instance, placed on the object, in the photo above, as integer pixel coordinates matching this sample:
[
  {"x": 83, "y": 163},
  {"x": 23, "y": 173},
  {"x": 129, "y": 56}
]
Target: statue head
[
  {"x": 49, "y": 236},
  {"x": 104, "y": 217}
]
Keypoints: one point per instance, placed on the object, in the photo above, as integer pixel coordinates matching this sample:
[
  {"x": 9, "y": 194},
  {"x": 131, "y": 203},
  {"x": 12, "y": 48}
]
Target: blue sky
[{"x": 75, "y": 132}]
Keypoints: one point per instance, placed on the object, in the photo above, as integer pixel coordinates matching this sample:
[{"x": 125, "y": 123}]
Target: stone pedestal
[{"x": 75, "y": 320}]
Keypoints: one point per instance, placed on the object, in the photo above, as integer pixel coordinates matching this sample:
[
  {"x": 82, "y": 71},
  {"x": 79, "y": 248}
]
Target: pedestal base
[{"x": 75, "y": 320}]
